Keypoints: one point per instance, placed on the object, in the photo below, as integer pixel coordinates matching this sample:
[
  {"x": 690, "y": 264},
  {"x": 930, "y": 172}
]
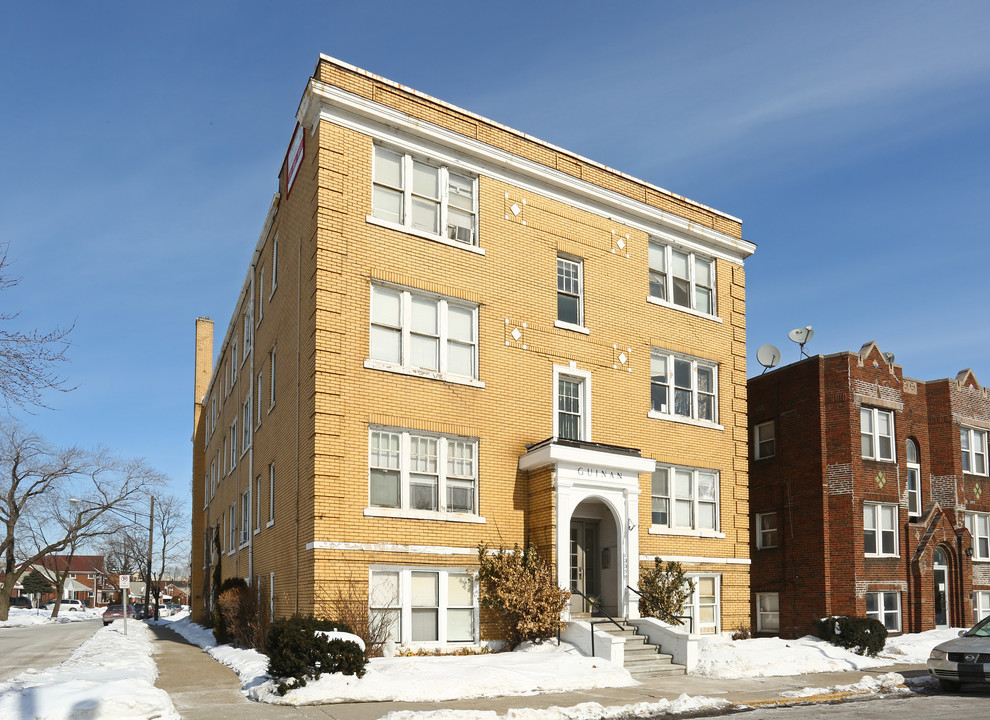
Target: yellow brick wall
[{"x": 317, "y": 432}]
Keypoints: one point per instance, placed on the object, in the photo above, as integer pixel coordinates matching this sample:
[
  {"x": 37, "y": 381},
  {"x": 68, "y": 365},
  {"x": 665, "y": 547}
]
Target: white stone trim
[
  {"x": 693, "y": 559},
  {"x": 423, "y": 515},
  {"x": 322, "y": 101},
  {"x": 390, "y": 547}
]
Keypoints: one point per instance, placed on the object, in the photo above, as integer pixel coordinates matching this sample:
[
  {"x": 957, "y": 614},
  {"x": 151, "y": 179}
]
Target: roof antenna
[
  {"x": 768, "y": 356},
  {"x": 801, "y": 336}
]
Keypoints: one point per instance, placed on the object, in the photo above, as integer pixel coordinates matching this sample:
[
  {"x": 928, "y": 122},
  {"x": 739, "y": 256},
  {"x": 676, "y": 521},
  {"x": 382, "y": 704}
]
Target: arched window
[{"x": 913, "y": 478}]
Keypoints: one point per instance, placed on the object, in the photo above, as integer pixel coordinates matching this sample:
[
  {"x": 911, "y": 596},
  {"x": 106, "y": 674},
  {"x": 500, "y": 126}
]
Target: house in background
[
  {"x": 452, "y": 333},
  {"x": 869, "y": 495},
  {"x": 87, "y": 578}
]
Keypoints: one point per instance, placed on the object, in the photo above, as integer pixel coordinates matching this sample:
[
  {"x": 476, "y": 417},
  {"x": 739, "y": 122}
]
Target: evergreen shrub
[
  {"x": 297, "y": 654},
  {"x": 864, "y": 636}
]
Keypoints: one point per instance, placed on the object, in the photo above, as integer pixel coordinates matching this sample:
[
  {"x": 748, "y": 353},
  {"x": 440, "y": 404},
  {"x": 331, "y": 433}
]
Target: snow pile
[
  {"x": 110, "y": 677},
  {"x": 885, "y": 684},
  {"x": 531, "y": 669},
  {"x": 767, "y": 657},
  {"x": 22, "y": 617},
  {"x": 582, "y": 711}
]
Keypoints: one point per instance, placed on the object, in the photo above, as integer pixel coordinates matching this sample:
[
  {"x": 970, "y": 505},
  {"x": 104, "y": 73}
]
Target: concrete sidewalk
[{"x": 203, "y": 689}]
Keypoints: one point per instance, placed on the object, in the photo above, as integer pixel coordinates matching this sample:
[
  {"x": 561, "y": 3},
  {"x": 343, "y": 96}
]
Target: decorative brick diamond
[
  {"x": 515, "y": 209},
  {"x": 881, "y": 479},
  {"x": 978, "y": 490},
  {"x": 621, "y": 243},
  {"x": 516, "y": 334},
  {"x": 622, "y": 358}
]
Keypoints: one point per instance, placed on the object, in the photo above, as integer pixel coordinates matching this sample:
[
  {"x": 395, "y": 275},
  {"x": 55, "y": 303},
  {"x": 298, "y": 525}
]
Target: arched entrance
[
  {"x": 595, "y": 557},
  {"x": 940, "y": 573}
]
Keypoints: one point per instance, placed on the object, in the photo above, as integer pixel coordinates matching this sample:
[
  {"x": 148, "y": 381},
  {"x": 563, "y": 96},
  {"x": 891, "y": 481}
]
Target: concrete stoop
[{"x": 642, "y": 659}]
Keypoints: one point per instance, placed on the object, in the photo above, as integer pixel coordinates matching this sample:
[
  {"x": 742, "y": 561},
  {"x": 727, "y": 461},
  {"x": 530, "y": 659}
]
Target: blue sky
[{"x": 140, "y": 144}]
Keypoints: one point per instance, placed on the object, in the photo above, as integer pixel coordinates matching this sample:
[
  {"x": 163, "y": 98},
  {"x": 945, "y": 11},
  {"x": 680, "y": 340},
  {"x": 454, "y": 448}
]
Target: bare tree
[
  {"x": 40, "y": 484},
  {"x": 171, "y": 542},
  {"x": 28, "y": 359}
]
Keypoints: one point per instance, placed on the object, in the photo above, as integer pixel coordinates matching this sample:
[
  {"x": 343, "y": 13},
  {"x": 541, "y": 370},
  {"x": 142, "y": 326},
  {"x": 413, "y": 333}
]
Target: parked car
[
  {"x": 164, "y": 610},
  {"x": 965, "y": 659},
  {"x": 174, "y": 608},
  {"x": 116, "y": 612},
  {"x": 139, "y": 611},
  {"x": 67, "y": 604},
  {"x": 21, "y": 602}
]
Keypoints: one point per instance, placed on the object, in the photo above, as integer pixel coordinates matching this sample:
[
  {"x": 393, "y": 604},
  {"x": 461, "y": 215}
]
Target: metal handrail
[
  {"x": 597, "y": 605},
  {"x": 670, "y": 618}
]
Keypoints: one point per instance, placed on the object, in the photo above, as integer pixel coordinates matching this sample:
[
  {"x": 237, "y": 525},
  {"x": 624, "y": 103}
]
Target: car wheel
[{"x": 949, "y": 685}]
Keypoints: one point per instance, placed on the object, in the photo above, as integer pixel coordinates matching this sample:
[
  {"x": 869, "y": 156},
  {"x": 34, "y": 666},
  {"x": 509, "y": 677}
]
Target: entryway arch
[{"x": 942, "y": 593}]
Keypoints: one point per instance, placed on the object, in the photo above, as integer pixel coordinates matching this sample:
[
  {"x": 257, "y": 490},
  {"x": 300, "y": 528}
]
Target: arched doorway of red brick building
[{"x": 940, "y": 572}]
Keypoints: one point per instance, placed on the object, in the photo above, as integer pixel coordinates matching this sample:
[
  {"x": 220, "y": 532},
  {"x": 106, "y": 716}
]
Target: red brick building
[{"x": 869, "y": 495}]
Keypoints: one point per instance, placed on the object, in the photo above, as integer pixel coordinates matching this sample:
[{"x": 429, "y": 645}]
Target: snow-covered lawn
[
  {"x": 21, "y": 617},
  {"x": 111, "y": 676},
  {"x": 766, "y": 657},
  {"x": 546, "y": 668}
]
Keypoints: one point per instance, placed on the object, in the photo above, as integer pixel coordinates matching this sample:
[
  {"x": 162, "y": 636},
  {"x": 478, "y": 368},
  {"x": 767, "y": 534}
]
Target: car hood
[{"x": 966, "y": 645}]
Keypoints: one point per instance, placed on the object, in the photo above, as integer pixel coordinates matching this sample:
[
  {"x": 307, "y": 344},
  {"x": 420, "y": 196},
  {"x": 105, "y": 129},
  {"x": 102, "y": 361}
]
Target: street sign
[{"x": 125, "y": 581}]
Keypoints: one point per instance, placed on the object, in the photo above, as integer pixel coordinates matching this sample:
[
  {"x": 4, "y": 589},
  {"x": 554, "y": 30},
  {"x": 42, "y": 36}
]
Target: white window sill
[
  {"x": 767, "y": 547},
  {"x": 685, "y": 532},
  {"x": 974, "y": 474},
  {"x": 425, "y": 235},
  {"x": 880, "y": 460},
  {"x": 980, "y": 560},
  {"x": 243, "y": 545},
  {"x": 572, "y": 327},
  {"x": 230, "y": 553},
  {"x": 417, "y": 372},
  {"x": 684, "y": 420},
  {"x": 765, "y": 457},
  {"x": 269, "y": 523},
  {"x": 880, "y": 556},
  {"x": 681, "y": 308},
  {"x": 424, "y": 515},
  {"x": 271, "y": 407},
  {"x": 257, "y": 530}
]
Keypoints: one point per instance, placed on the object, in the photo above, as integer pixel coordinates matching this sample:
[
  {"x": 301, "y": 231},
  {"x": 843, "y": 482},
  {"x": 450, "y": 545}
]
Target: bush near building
[{"x": 865, "y": 636}]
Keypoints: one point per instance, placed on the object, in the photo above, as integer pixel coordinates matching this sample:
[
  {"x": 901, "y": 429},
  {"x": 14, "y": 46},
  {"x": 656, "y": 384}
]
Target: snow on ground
[
  {"x": 21, "y": 617},
  {"x": 766, "y": 657},
  {"x": 885, "y": 684},
  {"x": 581, "y": 711},
  {"x": 111, "y": 676}
]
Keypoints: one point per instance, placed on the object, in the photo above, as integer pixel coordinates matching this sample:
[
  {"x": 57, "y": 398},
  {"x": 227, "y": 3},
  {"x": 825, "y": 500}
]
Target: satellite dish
[
  {"x": 768, "y": 356},
  {"x": 801, "y": 336},
  {"x": 889, "y": 357}
]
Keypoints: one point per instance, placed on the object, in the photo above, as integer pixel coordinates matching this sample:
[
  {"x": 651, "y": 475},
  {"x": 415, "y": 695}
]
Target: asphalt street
[{"x": 41, "y": 646}]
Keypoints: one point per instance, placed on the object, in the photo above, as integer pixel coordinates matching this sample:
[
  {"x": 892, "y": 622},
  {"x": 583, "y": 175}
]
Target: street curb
[{"x": 812, "y": 699}]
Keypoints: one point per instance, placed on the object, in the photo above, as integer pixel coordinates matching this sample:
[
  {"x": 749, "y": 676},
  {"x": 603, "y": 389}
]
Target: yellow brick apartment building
[{"x": 452, "y": 333}]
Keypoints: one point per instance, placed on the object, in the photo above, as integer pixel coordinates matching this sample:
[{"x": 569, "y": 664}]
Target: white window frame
[
  {"x": 248, "y": 336},
  {"x": 258, "y": 396},
  {"x": 403, "y": 603},
  {"x": 570, "y": 285},
  {"x": 257, "y": 505},
  {"x": 667, "y": 381},
  {"x": 870, "y": 437},
  {"x": 693, "y": 604},
  {"x": 233, "y": 445},
  {"x": 673, "y": 499},
  {"x": 884, "y": 600},
  {"x": 445, "y": 342},
  {"x": 271, "y": 378},
  {"x": 245, "y": 517},
  {"x": 271, "y": 494},
  {"x": 232, "y": 529},
  {"x": 234, "y": 361},
  {"x": 978, "y": 525},
  {"x": 583, "y": 378},
  {"x": 662, "y": 278},
  {"x": 247, "y": 411},
  {"x": 763, "y": 614},
  {"x": 973, "y": 442},
  {"x": 913, "y": 480},
  {"x": 767, "y": 528},
  {"x": 764, "y": 440},
  {"x": 981, "y": 604},
  {"x": 444, "y": 228},
  {"x": 401, "y": 462},
  {"x": 261, "y": 294},
  {"x": 877, "y": 513},
  {"x": 274, "y": 265}
]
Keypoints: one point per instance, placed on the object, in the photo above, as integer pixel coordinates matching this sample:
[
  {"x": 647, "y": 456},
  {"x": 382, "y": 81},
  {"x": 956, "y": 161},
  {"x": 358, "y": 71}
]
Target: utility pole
[{"x": 147, "y": 580}]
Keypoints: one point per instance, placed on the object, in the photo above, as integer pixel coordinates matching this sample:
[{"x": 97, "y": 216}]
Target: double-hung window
[
  {"x": 683, "y": 387},
  {"x": 422, "y": 333},
  {"x": 424, "y": 197},
  {"x": 248, "y": 335},
  {"x": 682, "y": 278},
  {"x": 768, "y": 612},
  {"x": 974, "y": 450},
  {"x": 570, "y": 291},
  {"x": 880, "y": 529},
  {"x": 981, "y": 604},
  {"x": 424, "y": 605},
  {"x": 685, "y": 498},
  {"x": 245, "y": 515},
  {"x": 766, "y": 530},
  {"x": 233, "y": 445},
  {"x": 978, "y": 525},
  {"x": 416, "y": 471},
  {"x": 913, "y": 478},
  {"x": 246, "y": 421},
  {"x": 764, "y": 440},
  {"x": 876, "y": 432},
  {"x": 232, "y": 527},
  {"x": 885, "y": 607},
  {"x": 704, "y": 605}
]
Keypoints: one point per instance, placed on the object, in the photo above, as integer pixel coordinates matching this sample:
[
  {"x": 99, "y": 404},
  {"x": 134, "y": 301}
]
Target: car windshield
[
  {"x": 115, "y": 608},
  {"x": 981, "y": 629}
]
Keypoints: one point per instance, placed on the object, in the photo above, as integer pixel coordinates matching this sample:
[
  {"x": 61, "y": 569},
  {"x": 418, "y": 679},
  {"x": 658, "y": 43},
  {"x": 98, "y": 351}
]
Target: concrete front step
[{"x": 641, "y": 658}]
